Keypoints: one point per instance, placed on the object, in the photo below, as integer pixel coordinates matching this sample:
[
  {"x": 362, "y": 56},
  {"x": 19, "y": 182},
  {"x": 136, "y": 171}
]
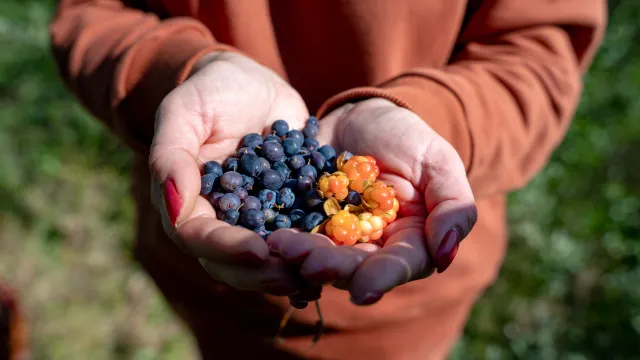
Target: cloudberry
[
  {"x": 379, "y": 195},
  {"x": 371, "y": 226},
  {"x": 360, "y": 170},
  {"x": 343, "y": 228},
  {"x": 334, "y": 185}
]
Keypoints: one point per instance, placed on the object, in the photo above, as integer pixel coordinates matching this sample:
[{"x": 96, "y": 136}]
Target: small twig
[
  {"x": 319, "y": 325},
  {"x": 283, "y": 323}
]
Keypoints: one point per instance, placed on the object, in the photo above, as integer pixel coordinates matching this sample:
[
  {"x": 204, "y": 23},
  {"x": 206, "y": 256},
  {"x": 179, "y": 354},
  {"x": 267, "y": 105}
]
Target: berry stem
[
  {"x": 283, "y": 323},
  {"x": 319, "y": 325}
]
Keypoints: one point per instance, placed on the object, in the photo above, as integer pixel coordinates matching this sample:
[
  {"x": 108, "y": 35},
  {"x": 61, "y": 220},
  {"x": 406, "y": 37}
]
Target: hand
[
  {"x": 226, "y": 97},
  {"x": 437, "y": 208}
]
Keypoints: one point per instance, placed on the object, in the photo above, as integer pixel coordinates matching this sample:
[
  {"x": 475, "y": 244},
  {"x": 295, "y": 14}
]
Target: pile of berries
[{"x": 287, "y": 180}]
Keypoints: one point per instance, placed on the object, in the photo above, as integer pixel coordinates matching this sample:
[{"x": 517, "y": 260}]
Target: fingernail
[
  {"x": 172, "y": 201},
  {"x": 323, "y": 277},
  {"x": 251, "y": 258},
  {"x": 368, "y": 299},
  {"x": 447, "y": 250}
]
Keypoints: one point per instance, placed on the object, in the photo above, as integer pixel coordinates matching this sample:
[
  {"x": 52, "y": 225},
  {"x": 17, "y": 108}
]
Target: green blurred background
[{"x": 570, "y": 287}]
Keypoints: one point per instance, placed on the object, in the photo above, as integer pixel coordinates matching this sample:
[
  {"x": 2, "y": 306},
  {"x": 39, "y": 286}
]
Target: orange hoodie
[{"x": 499, "y": 79}]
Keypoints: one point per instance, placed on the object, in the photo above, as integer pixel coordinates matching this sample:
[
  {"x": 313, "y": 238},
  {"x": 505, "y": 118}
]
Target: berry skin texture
[
  {"x": 272, "y": 137},
  {"x": 228, "y": 202},
  {"x": 286, "y": 198},
  {"x": 250, "y": 164},
  {"x": 265, "y": 164},
  {"x": 388, "y": 216},
  {"x": 361, "y": 170},
  {"x": 241, "y": 193},
  {"x": 312, "y": 120},
  {"x": 269, "y": 216},
  {"x": 290, "y": 146},
  {"x": 247, "y": 182},
  {"x": 251, "y": 140},
  {"x": 243, "y": 151},
  {"x": 231, "y": 164},
  {"x": 230, "y": 181},
  {"x": 371, "y": 226},
  {"x": 231, "y": 217},
  {"x": 282, "y": 169},
  {"x": 305, "y": 183},
  {"x": 295, "y": 162},
  {"x": 280, "y": 127},
  {"x": 335, "y": 185},
  {"x": 311, "y": 144},
  {"x": 353, "y": 198},
  {"x": 310, "y": 131},
  {"x": 282, "y": 222},
  {"x": 312, "y": 220},
  {"x": 296, "y": 216},
  {"x": 297, "y": 136},
  {"x": 328, "y": 152},
  {"x": 251, "y": 202},
  {"x": 273, "y": 151},
  {"x": 206, "y": 183},
  {"x": 379, "y": 196},
  {"x": 213, "y": 167},
  {"x": 317, "y": 160},
  {"x": 268, "y": 198},
  {"x": 252, "y": 218},
  {"x": 309, "y": 171},
  {"x": 271, "y": 179},
  {"x": 214, "y": 197},
  {"x": 343, "y": 228}
]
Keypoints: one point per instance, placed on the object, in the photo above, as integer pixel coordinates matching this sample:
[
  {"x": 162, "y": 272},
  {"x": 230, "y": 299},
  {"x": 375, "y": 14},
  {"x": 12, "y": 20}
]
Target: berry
[
  {"x": 264, "y": 233},
  {"x": 313, "y": 199},
  {"x": 273, "y": 151},
  {"x": 247, "y": 182},
  {"x": 309, "y": 171},
  {"x": 312, "y": 220},
  {"x": 296, "y": 162},
  {"x": 370, "y": 226},
  {"x": 312, "y": 120},
  {"x": 304, "y": 152},
  {"x": 244, "y": 151},
  {"x": 290, "y": 146},
  {"x": 272, "y": 137},
  {"x": 251, "y": 165},
  {"x": 231, "y": 164},
  {"x": 330, "y": 166},
  {"x": 310, "y": 131},
  {"x": 271, "y": 179},
  {"x": 282, "y": 169},
  {"x": 252, "y": 218},
  {"x": 231, "y": 180},
  {"x": 214, "y": 197},
  {"x": 206, "y": 183},
  {"x": 251, "y": 140},
  {"x": 228, "y": 202},
  {"x": 343, "y": 228},
  {"x": 317, "y": 160},
  {"x": 269, "y": 216},
  {"x": 311, "y": 144},
  {"x": 335, "y": 185},
  {"x": 297, "y": 136},
  {"x": 305, "y": 183},
  {"x": 286, "y": 198},
  {"x": 241, "y": 193},
  {"x": 360, "y": 170},
  {"x": 280, "y": 127},
  {"x": 328, "y": 152},
  {"x": 265, "y": 164},
  {"x": 282, "y": 222},
  {"x": 388, "y": 216},
  {"x": 213, "y": 167},
  {"x": 231, "y": 216},
  {"x": 267, "y": 198},
  {"x": 379, "y": 196},
  {"x": 251, "y": 202},
  {"x": 353, "y": 198}
]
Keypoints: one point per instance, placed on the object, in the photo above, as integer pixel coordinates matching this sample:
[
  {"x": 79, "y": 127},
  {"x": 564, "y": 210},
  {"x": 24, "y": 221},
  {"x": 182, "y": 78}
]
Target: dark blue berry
[
  {"x": 272, "y": 137},
  {"x": 273, "y": 151},
  {"x": 241, "y": 193},
  {"x": 264, "y": 233},
  {"x": 297, "y": 136},
  {"x": 310, "y": 131},
  {"x": 312, "y": 220},
  {"x": 305, "y": 183},
  {"x": 286, "y": 198},
  {"x": 296, "y": 216},
  {"x": 304, "y": 152},
  {"x": 330, "y": 166},
  {"x": 213, "y": 167},
  {"x": 231, "y": 180},
  {"x": 282, "y": 169},
  {"x": 353, "y": 198},
  {"x": 214, "y": 197},
  {"x": 247, "y": 182},
  {"x": 309, "y": 171},
  {"x": 251, "y": 140},
  {"x": 282, "y": 222},
  {"x": 251, "y": 165},
  {"x": 280, "y": 127},
  {"x": 251, "y": 202},
  {"x": 206, "y": 183},
  {"x": 313, "y": 199},
  {"x": 271, "y": 179},
  {"x": 347, "y": 155},
  {"x": 291, "y": 184},
  {"x": 265, "y": 164},
  {"x": 290, "y": 146},
  {"x": 231, "y": 216},
  {"x": 252, "y": 218},
  {"x": 311, "y": 144},
  {"x": 328, "y": 152},
  {"x": 228, "y": 202},
  {"x": 243, "y": 151},
  {"x": 317, "y": 160},
  {"x": 312, "y": 120},
  {"x": 296, "y": 162},
  {"x": 269, "y": 216},
  {"x": 268, "y": 198},
  {"x": 231, "y": 164}
]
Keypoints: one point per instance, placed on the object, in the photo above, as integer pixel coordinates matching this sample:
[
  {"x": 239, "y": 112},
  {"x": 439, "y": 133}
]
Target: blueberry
[
  {"x": 231, "y": 180},
  {"x": 247, "y": 182},
  {"x": 310, "y": 131},
  {"x": 231, "y": 164},
  {"x": 312, "y": 220},
  {"x": 290, "y": 146},
  {"x": 267, "y": 198},
  {"x": 251, "y": 165},
  {"x": 304, "y": 152},
  {"x": 312, "y": 120},
  {"x": 269, "y": 215},
  {"x": 213, "y": 167},
  {"x": 251, "y": 202},
  {"x": 228, "y": 202},
  {"x": 282, "y": 222},
  {"x": 297, "y": 136},
  {"x": 241, "y": 193},
  {"x": 353, "y": 198},
  {"x": 313, "y": 199},
  {"x": 291, "y": 184},
  {"x": 317, "y": 160},
  {"x": 305, "y": 183},
  {"x": 251, "y": 140},
  {"x": 264, "y": 233},
  {"x": 311, "y": 144},
  {"x": 296, "y": 216},
  {"x": 272, "y": 137},
  {"x": 231, "y": 216},
  {"x": 273, "y": 151},
  {"x": 214, "y": 197},
  {"x": 328, "y": 152},
  {"x": 280, "y": 127},
  {"x": 286, "y": 198},
  {"x": 330, "y": 166},
  {"x": 282, "y": 169},
  {"x": 296, "y": 162},
  {"x": 347, "y": 155},
  {"x": 265, "y": 164},
  {"x": 206, "y": 183},
  {"x": 309, "y": 171},
  {"x": 271, "y": 179},
  {"x": 252, "y": 218}
]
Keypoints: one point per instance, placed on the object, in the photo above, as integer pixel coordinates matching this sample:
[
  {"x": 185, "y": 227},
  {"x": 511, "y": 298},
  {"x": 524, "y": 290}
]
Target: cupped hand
[
  {"x": 437, "y": 208},
  {"x": 226, "y": 96}
]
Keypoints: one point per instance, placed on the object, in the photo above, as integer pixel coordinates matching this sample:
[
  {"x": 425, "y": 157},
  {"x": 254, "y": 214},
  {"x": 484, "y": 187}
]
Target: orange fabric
[{"x": 499, "y": 79}]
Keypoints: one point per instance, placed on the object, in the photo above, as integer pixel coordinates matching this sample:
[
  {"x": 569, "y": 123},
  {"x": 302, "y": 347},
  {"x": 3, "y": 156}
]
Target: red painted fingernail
[
  {"x": 447, "y": 250},
  {"x": 172, "y": 201},
  {"x": 322, "y": 277},
  {"x": 368, "y": 299}
]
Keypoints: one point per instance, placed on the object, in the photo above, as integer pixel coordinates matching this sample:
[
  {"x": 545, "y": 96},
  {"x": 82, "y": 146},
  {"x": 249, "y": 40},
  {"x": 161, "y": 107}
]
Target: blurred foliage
[{"x": 568, "y": 289}]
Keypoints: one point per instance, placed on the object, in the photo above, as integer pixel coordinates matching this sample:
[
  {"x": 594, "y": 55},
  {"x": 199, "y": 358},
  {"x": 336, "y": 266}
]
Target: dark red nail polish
[
  {"x": 368, "y": 299},
  {"x": 447, "y": 250},
  {"x": 323, "y": 277},
  {"x": 172, "y": 201}
]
